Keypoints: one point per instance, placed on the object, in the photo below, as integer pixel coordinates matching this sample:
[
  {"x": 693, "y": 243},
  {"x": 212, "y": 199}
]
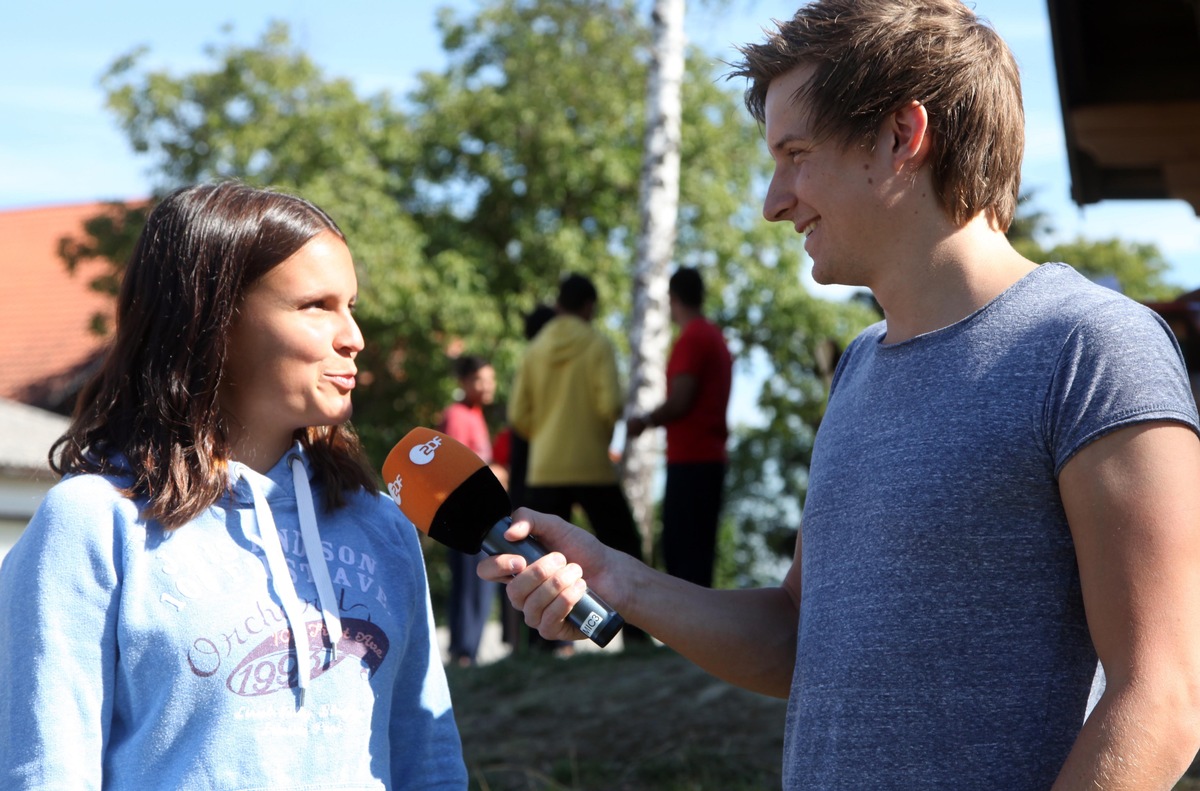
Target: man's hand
[
  {"x": 636, "y": 425},
  {"x": 546, "y": 590},
  {"x": 746, "y": 637}
]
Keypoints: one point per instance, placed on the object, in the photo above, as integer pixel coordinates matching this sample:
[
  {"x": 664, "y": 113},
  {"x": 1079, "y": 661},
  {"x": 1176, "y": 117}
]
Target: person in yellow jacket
[{"x": 566, "y": 399}]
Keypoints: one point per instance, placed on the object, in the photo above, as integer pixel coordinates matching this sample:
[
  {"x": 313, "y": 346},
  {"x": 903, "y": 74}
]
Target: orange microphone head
[{"x": 445, "y": 489}]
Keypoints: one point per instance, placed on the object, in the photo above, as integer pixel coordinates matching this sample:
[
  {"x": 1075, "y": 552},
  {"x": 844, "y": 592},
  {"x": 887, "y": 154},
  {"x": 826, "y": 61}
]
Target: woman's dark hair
[{"x": 154, "y": 400}]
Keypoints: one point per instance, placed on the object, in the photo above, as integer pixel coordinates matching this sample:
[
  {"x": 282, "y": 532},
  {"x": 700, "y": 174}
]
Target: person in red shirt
[
  {"x": 699, "y": 374},
  {"x": 470, "y": 597}
]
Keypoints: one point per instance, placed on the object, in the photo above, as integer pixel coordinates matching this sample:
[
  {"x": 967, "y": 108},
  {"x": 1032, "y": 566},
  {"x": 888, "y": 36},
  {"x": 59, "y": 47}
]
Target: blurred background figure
[
  {"x": 566, "y": 401},
  {"x": 699, "y": 374},
  {"x": 511, "y": 448},
  {"x": 470, "y": 597},
  {"x": 511, "y": 451}
]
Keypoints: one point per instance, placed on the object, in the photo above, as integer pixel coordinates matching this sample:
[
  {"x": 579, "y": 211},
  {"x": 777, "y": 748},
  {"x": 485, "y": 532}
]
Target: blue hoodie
[{"x": 134, "y": 658}]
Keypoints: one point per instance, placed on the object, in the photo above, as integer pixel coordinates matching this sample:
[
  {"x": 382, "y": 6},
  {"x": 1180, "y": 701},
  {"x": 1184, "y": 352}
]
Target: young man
[
  {"x": 699, "y": 375},
  {"x": 1003, "y": 489},
  {"x": 566, "y": 400}
]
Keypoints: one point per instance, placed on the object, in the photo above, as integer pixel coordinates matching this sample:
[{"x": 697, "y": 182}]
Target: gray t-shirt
[{"x": 942, "y": 641}]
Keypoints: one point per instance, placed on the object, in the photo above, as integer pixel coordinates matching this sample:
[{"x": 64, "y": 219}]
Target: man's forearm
[
  {"x": 744, "y": 637},
  {"x": 1135, "y": 740}
]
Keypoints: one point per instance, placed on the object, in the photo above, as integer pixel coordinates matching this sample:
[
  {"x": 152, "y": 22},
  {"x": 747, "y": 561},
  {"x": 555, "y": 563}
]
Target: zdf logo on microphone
[
  {"x": 394, "y": 489},
  {"x": 423, "y": 454}
]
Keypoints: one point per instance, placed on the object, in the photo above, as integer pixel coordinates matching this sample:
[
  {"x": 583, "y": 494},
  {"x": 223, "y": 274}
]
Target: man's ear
[{"x": 905, "y": 135}]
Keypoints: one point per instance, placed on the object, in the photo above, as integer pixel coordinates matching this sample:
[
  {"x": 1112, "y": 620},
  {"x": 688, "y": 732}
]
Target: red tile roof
[{"x": 45, "y": 311}]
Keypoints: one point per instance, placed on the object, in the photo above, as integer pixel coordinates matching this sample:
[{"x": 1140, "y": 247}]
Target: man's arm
[
  {"x": 744, "y": 637},
  {"x": 681, "y": 394},
  {"x": 1132, "y": 499}
]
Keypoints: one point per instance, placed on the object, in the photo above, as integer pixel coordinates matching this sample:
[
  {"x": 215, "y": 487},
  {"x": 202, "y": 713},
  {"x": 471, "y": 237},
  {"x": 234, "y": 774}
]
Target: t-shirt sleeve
[
  {"x": 1120, "y": 365},
  {"x": 687, "y": 356}
]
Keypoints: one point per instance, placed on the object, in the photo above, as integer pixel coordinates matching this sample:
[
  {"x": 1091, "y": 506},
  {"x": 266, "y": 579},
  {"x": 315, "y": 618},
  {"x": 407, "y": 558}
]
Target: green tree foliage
[
  {"x": 1138, "y": 269},
  {"x": 540, "y": 114},
  {"x": 110, "y": 235}
]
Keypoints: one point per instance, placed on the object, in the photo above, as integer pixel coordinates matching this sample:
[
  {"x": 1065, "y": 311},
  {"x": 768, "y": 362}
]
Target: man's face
[
  {"x": 675, "y": 307},
  {"x": 479, "y": 388},
  {"x": 828, "y": 192}
]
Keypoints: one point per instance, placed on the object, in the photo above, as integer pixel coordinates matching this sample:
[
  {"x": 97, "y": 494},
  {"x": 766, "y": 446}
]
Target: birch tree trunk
[{"x": 658, "y": 206}]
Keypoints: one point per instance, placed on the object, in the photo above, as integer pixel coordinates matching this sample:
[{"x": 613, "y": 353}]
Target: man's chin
[
  {"x": 821, "y": 280},
  {"x": 824, "y": 276},
  {"x": 832, "y": 276}
]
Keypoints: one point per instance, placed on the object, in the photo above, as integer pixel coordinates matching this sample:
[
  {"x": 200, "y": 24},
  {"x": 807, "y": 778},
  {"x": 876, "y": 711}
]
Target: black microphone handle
[{"x": 591, "y": 615}]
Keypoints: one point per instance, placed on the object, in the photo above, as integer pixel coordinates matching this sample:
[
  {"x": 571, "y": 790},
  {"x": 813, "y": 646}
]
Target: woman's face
[{"x": 291, "y": 352}]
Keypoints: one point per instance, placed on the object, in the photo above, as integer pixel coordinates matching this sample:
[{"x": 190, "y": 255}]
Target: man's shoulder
[
  {"x": 701, "y": 331},
  {"x": 1060, "y": 288},
  {"x": 1060, "y": 303}
]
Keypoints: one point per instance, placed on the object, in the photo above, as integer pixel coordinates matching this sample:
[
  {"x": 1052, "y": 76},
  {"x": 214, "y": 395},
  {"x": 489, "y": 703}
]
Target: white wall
[
  {"x": 10, "y": 531},
  {"x": 26, "y": 434},
  {"x": 19, "y": 498}
]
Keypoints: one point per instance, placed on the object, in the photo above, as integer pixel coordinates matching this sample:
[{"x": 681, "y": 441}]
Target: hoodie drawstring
[
  {"x": 282, "y": 578},
  {"x": 315, "y": 552}
]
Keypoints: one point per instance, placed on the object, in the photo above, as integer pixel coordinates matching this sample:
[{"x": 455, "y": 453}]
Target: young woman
[{"x": 216, "y": 596}]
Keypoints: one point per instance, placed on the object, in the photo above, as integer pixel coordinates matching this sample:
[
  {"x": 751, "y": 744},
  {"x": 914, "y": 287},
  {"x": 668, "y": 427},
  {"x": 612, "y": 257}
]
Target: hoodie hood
[
  {"x": 289, "y": 479},
  {"x": 566, "y": 338}
]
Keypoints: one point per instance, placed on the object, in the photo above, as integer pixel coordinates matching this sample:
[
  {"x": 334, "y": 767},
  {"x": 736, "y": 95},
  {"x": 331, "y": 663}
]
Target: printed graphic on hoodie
[
  {"x": 271, "y": 666},
  {"x": 257, "y": 655}
]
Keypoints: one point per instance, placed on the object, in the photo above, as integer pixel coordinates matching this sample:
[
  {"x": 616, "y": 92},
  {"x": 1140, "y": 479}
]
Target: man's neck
[
  {"x": 686, "y": 315},
  {"x": 945, "y": 277}
]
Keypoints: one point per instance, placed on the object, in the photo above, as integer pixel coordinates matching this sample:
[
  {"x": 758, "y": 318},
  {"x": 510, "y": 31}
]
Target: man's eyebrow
[{"x": 790, "y": 137}]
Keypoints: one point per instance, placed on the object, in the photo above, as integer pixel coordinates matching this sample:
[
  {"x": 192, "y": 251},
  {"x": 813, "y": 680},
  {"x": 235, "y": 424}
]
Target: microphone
[{"x": 452, "y": 496}]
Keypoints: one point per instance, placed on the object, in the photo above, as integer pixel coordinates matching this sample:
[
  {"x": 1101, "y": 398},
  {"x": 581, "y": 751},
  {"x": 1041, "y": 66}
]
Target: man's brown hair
[{"x": 872, "y": 57}]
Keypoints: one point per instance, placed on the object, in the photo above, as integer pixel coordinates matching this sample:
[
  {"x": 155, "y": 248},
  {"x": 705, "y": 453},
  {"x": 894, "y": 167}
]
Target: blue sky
[{"x": 59, "y": 145}]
